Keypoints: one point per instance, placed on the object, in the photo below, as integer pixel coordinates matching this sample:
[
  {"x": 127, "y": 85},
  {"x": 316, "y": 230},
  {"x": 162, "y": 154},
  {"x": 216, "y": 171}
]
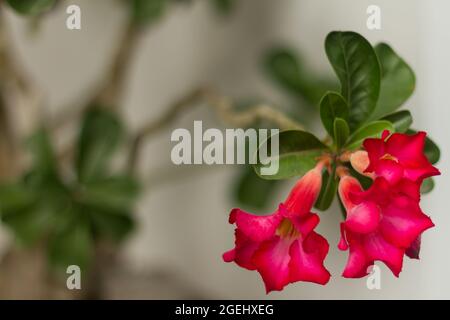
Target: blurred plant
[{"x": 72, "y": 213}]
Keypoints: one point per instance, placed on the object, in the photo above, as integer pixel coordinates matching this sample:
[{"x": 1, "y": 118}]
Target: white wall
[{"x": 184, "y": 216}]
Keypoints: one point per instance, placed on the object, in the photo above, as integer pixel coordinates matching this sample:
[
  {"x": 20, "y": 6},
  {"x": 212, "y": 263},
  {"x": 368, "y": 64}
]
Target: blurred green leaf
[
  {"x": 285, "y": 68},
  {"x": 72, "y": 246},
  {"x": 40, "y": 212},
  {"x": 332, "y": 106},
  {"x": 298, "y": 152},
  {"x": 224, "y": 6},
  {"x": 31, "y": 7},
  {"x": 252, "y": 192},
  {"x": 100, "y": 135},
  {"x": 401, "y": 120},
  {"x": 30, "y": 225},
  {"x": 147, "y": 11},
  {"x": 114, "y": 225},
  {"x": 114, "y": 193},
  {"x": 44, "y": 161},
  {"x": 397, "y": 81},
  {"x": 370, "y": 130},
  {"x": 427, "y": 185},
  {"x": 15, "y": 198},
  {"x": 357, "y": 67},
  {"x": 341, "y": 132},
  {"x": 327, "y": 192}
]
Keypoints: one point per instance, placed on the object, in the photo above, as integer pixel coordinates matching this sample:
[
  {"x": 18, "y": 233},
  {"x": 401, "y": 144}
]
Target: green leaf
[
  {"x": 332, "y": 106},
  {"x": 431, "y": 150},
  {"x": 42, "y": 210},
  {"x": 252, "y": 192},
  {"x": 113, "y": 225},
  {"x": 298, "y": 152},
  {"x": 341, "y": 132},
  {"x": 356, "y": 65},
  {"x": 328, "y": 191},
  {"x": 401, "y": 120},
  {"x": 30, "y": 225},
  {"x": 72, "y": 246},
  {"x": 44, "y": 161},
  {"x": 100, "y": 135},
  {"x": 370, "y": 130},
  {"x": 427, "y": 185},
  {"x": 15, "y": 198},
  {"x": 224, "y": 6},
  {"x": 285, "y": 68},
  {"x": 147, "y": 11},
  {"x": 31, "y": 7},
  {"x": 115, "y": 193},
  {"x": 397, "y": 81}
]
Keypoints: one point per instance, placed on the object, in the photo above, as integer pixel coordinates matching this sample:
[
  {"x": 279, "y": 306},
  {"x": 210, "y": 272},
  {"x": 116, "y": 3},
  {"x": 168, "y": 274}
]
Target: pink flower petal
[
  {"x": 390, "y": 170},
  {"x": 377, "y": 248},
  {"x": 363, "y": 218},
  {"x": 306, "y": 262},
  {"x": 256, "y": 228},
  {"x": 304, "y": 194},
  {"x": 403, "y": 222},
  {"x": 272, "y": 262}
]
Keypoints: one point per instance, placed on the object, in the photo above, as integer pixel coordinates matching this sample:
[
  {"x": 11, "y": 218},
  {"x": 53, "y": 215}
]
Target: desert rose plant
[{"x": 371, "y": 158}]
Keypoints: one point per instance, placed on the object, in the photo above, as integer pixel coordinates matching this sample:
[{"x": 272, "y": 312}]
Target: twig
[
  {"x": 110, "y": 91},
  {"x": 224, "y": 109}
]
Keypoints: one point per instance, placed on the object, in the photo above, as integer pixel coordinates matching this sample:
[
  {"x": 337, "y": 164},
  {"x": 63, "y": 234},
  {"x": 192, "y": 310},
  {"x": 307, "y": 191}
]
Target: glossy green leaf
[
  {"x": 100, "y": 135},
  {"x": 427, "y": 185},
  {"x": 328, "y": 191},
  {"x": 401, "y": 120},
  {"x": 298, "y": 152},
  {"x": 356, "y": 65},
  {"x": 31, "y": 7},
  {"x": 370, "y": 130},
  {"x": 432, "y": 151},
  {"x": 147, "y": 11},
  {"x": 397, "y": 81},
  {"x": 285, "y": 67},
  {"x": 332, "y": 106},
  {"x": 341, "y": 132},
  {"x": 252, "y": 192}
]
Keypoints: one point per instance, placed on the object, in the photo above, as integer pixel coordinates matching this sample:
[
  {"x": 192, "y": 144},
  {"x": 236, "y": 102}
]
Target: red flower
[
  {"x": 282, "y": 246},
  {"x": 399, "y": 156},
  {"x": 381, "y": 224}
]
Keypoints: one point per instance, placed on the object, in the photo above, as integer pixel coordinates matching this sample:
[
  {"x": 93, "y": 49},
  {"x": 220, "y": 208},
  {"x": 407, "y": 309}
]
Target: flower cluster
[{"x": 382, "y": 223}]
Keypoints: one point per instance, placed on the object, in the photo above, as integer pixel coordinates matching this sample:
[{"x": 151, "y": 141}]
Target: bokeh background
[{"x": 183, "y": 229}]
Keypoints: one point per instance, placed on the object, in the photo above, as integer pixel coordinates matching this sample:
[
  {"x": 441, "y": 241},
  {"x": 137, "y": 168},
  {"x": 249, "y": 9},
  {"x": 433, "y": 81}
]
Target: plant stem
[{"x": 225, "y": 110}]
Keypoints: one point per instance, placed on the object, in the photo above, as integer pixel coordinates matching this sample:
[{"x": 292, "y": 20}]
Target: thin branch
[
  {"x": 111, "y": 90},
  {"x": 225, "y": 110}
]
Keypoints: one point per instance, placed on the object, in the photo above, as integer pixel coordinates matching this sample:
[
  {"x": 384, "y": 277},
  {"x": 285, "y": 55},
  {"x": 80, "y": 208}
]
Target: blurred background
[{"x": 182, "y": 212}]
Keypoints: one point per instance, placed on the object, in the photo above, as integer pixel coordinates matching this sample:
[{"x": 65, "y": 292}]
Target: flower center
[
  {"x": 389, "y": 156},
  {"x": 286, "y": 229}
]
